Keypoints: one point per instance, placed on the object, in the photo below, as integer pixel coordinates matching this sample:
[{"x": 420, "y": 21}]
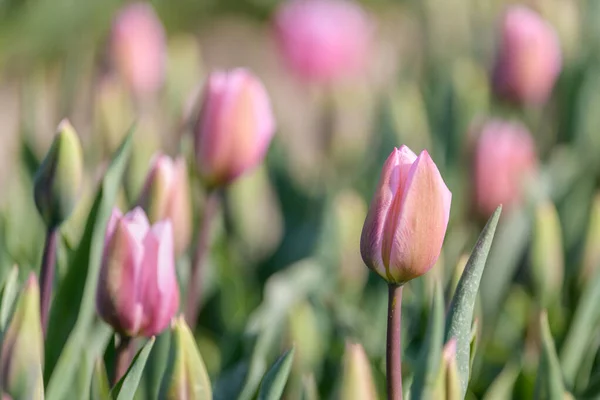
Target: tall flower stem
[
  {"x": 194, "y": 290},
  {"x": 47, "y": 275},
  {"x": 122, "y": 358},
  {"x": 394, "y": 347}
]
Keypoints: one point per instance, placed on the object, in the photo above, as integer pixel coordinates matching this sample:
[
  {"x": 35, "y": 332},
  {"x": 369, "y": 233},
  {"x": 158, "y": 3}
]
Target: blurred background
[{"x": 285, "y": 264}]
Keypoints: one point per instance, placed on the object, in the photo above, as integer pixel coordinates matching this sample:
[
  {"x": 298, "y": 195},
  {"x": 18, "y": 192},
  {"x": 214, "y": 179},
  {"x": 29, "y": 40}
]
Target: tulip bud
[
  {"x": 234, "y": 128},
  {"x": 529, "y": 58},
  {"x": 406, "y": 223},
  {"x": 504, "y": 159},
  {"x": 137, "y": 289},
  {"x": 591, "y": 250},
  {"x": 166, "y": 196},
  {"x": 547, "y": 259},
  {"x": 138, "y": 48},
  {"x": 186, "y": 376},
  {"x": 447, "y": 385},
  {"x": 324, "y": 40},
  {"x": 23, "y": 348},
  {"x": 357, "y": 381},
  {"x": 58, "y": 180}
]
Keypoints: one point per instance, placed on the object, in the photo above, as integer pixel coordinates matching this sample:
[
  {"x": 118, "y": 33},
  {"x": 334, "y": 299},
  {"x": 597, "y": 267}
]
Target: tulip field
[{"x": 299, "y": 199}]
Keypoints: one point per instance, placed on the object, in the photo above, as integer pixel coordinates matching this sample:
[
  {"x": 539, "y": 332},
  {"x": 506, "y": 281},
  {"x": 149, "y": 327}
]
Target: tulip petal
[
  {"x": 160, "y": 295},
  {"x": 393, "y": 178},
  {"x": 115, "y": 216},
  {"x": 117, "y": 296},
  {"x": 422, "y": 219}
]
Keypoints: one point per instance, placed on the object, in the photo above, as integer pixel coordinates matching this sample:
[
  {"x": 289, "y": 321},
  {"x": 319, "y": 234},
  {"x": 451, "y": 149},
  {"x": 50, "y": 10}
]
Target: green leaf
[
  {"x": 73, "y": 306},
  {"x": 473, "y": 343},
  {"x": 231, "y": 383},
  {"x": 460, "y": 315},
  {"x": 155, "y": 367},
  {"x": 84, "y": 373},
  {"x": 582, "y": 326},
  {"x": 502, "y": 387},
  {"x": 549, "y": 382},
  {"x": 273, "y": 383},
  {"x": 431, "y": 351},
  {"x": 127, "y": 386},
  {"x": 99, "y": 388},
  {"x": 9, "y": 294}
]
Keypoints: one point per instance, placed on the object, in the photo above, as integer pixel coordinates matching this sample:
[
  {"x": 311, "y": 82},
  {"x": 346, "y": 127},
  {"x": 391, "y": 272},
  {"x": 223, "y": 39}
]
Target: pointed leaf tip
[{"x": 460, "y": 315}]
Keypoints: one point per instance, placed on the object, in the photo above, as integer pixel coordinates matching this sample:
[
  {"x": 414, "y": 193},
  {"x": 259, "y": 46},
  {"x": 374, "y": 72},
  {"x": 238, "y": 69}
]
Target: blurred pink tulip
[
  {"x": 166, "y": 196},
  {"x": 529, "y": 58},
  {"x": 234, "y": 128},
  {"x": 137, "y": 289},
  {"x": 324, "y": 40},
  {"x": 407, "y": 220},
  {"x": 138, "y": 48},
  {"x": 504, "y": 157}
]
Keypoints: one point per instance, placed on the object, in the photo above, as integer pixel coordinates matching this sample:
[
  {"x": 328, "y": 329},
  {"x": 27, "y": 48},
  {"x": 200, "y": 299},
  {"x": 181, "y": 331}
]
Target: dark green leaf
[
  {"x": 274, "y": 381},
  {"x": 73, "y": 307},
  {"x": 127, "y": 386},
  {"x": 549, "y": 382}
]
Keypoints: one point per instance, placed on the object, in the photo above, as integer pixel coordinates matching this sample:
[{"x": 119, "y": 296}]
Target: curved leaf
[
  {"x": 127, "y": 386},
  {"x": 274, "y": 381},
  {"x": 460, "y": 315}
]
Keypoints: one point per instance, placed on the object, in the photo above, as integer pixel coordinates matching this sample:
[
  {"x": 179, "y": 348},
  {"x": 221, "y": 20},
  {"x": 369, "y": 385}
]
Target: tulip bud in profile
[
  {"x": 186, "y": 376},
  {"x": 324, "y": 40},
  {"x": 404, "y": 230},
  {"x": 166, "y": 196},
  {"x": 58, "y": 180},
  {"x": 23, "y": 348},
  {"x": 591, "y": 249},
  {"x": 447, "y": 384},
  {"x": 138, "y": 48},
  {"x": 234, "y": 128},
  {"x": 137, "y": 290},
  {"x": 529, "y": 57},
  {"x": 547, "y": 259},
  {"x": 357, "y": 380},
  {"x": 504, "y": 159}
]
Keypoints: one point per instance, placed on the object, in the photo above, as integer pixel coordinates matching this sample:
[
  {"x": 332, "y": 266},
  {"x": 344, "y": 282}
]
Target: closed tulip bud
[
  {"x": 504, "y": 159},
  {"x": 186, "y": 376},
  {"x": 357, "y": 381},
  {"x": 137, "y": 290},
  {"x": 58, "y": 181},
  {"x": 23, "y": 348},
  {"x": 405, "y": 227},
  {"x": 591, "y": 249},
  {"x": 447, "y": 384},
  {"x": 166, "y": 196},
  {"x": 547, "y": 259},
  {"x": 324, "y": 40},
  {"x": 234, "y": 128},
  {"x": 529, "y": 58},
  {"x": 138, "y": 48}
]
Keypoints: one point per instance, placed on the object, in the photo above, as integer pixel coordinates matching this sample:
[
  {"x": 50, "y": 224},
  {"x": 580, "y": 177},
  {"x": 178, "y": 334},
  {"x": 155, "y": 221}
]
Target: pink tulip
[
  {"x": 406, "y": 224},
  {"x": 138, "y": 48},
  {"x": 166, "y": 196},
  {"x": 504, "y": 157},
  {"x": 137, "y": 289},
  {"x": 529, "y": 58},
  {"x": 324, "y": 40},
  {"x": 234, "y": 128}
]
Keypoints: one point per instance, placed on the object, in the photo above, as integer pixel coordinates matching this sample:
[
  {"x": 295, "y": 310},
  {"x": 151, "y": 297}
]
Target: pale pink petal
[
  {"x": 160, "y": 295},
  {"x": 393, "y": 177},
  {"x": 137, "y": 223},
  {"x": 115, "y": 216},
  {"x": 422, "y": 222},
  {"x": 118, "y": 285}
]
